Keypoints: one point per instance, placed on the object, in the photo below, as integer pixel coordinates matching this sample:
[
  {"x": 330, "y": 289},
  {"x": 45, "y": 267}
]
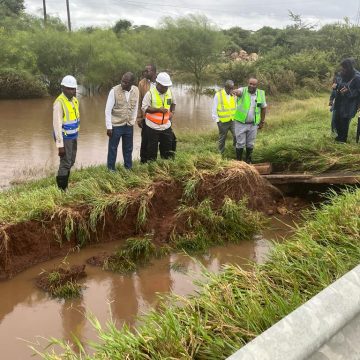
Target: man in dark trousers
[
  {"x": 144, "y": 86},
  {"x": 66, "y": 122},
  {"x": 159, "y": 107},
  {"x": 346, "y": 99}
]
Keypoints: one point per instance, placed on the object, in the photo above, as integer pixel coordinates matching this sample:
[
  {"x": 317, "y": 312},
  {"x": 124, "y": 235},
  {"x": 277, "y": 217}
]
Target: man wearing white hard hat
[
  {"x": 66, "y": 123},
  {"x": 159, "y": 107}
]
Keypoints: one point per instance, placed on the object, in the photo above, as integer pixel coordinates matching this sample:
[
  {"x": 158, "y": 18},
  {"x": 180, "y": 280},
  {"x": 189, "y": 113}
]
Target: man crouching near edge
[{"x": 249, "y": 117}]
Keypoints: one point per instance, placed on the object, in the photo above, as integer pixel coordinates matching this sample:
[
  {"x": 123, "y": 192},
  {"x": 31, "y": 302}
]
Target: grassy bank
[
  {"x": 237, "y": 305},
  {"x": 296, "y": 138}
]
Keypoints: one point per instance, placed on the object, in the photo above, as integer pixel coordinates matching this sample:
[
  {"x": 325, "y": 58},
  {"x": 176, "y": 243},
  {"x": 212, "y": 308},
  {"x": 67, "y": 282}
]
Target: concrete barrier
[{"x": 325, "y": 327}]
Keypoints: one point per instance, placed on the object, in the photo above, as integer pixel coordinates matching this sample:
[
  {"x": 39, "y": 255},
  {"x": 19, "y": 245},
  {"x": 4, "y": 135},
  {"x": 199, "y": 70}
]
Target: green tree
[
  {"x": 193, "y": 44},
  {"x": 11, "y": 7},
  {"x": 121, "y": 26}
]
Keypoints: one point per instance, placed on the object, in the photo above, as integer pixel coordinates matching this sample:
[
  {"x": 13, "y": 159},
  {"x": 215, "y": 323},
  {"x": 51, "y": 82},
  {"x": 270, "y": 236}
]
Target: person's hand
[
  {"x": 109, "y": 132},
  {"x": 344, "y": 90},
  {"x": 61, "y": 151},
  {"x": 163, "y": 110},
  {"x": 140, "y": 122},
  {"x": 261, "y": 124},
  {"x": 334, "y": 85},
  {"x": 171, "y": 115}
]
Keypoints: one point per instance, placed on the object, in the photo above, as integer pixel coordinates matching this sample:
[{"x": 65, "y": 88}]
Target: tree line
[{"x": 35, "y": 57}]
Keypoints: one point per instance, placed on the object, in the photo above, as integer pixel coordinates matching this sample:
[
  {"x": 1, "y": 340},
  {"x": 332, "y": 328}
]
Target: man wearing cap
[
  {"x": 120, "y": 116},
  {"x": 66, "y": 123},
  {"x": 159, "y": 107}
]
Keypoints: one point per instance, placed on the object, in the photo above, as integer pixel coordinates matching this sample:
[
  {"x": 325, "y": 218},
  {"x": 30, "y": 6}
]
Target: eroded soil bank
[{"x": 153, "y": 210}]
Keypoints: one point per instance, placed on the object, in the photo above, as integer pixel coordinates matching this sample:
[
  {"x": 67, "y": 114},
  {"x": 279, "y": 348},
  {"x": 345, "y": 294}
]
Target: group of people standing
[
  {"x": 241, "y": 111},
  {"x": 151, "y": 106}
]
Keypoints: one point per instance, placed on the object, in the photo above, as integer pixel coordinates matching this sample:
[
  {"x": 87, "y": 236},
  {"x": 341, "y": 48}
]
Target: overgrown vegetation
[
  {"x": 296, "y": 137},
  {"x": 62, "y": 281},
  {"x": 236, "y": 305},
  {"x": 298, "y": 56}
]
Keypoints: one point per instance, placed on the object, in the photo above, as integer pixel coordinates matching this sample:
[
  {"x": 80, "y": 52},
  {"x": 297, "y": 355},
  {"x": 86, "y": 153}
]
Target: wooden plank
[
  {"x": 263, "y": 168},
  {"x": 277, "y": 179}
]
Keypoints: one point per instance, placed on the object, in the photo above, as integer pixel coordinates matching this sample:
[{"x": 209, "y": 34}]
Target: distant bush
[{"x": 15, "y": 84}]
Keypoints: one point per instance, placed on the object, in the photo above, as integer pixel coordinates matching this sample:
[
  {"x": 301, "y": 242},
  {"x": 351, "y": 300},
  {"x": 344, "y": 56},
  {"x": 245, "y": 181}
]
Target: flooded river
[
  {"x": 26, "y": 132},
  {"x": 27, "y": 313}
]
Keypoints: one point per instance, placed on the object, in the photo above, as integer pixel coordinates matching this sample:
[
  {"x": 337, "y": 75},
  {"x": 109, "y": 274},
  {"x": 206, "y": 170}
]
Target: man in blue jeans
[{"x": 120, "y": 116}]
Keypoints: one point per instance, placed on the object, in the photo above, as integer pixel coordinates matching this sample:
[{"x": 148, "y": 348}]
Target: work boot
[
  {"x": 239, "y": 153},
  {"x": 248, "y": 155},
  {"x": 62, "y": 182}
]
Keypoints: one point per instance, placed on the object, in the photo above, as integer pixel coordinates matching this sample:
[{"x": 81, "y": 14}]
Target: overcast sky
[{"x": 248, "y": 14}]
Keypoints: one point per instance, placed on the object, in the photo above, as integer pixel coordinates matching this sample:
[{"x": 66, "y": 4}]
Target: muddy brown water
[
  {"x": 26, "y": 132},
  {"x": 27, "y": 313}
]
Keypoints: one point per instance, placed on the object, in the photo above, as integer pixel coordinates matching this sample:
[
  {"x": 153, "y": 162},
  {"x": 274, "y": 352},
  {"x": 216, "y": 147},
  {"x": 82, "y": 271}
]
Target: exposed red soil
[
  {"x": 25, "y": 244},
  {"x": 73, "y": 274}
]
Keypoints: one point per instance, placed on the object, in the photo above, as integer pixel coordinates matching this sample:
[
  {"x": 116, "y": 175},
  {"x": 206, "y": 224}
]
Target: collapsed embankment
[{"x": 154, "y": 208}]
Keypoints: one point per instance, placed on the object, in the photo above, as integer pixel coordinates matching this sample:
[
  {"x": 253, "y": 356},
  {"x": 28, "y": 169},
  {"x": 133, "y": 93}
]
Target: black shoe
[
  {"x": 248, "y": 155},
  {"x": 239, "y": 153},
  {"x": 62, "y": 182}
]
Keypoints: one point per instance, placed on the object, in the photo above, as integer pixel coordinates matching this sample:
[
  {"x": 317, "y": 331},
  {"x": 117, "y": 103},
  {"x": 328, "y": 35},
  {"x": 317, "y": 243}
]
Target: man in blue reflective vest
[{"x": 66, "y": 123}]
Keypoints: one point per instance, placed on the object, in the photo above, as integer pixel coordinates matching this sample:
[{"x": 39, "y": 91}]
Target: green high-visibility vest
[
  {"x": 243, "y": 106},
  {"x": 225, "y": 109}
]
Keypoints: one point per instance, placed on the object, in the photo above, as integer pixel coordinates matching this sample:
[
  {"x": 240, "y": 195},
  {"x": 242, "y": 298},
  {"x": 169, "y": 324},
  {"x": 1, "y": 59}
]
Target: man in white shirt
[
  {"x": 120, "y": 116},
  {"x": 223, "y": 112},
  {"x": 249, "y": 116},
  {"x": 159, "y": 107}
]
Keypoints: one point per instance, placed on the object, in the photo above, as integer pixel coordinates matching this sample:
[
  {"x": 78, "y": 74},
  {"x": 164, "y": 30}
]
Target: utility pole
[
  {"x": 68, "y": 14},
  {"x": 44, "y": 8},
  {"x": 358, "y": 15}
]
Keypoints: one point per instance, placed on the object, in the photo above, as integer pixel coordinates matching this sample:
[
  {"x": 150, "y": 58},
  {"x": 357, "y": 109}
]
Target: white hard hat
[
  {"x": 163, "y": 78},
  {"x": 69, "y": 81}
]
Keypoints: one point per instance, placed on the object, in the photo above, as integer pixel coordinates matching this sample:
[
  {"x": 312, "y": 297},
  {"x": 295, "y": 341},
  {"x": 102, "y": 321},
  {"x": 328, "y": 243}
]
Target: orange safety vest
[{"x": 158, "y": 102}]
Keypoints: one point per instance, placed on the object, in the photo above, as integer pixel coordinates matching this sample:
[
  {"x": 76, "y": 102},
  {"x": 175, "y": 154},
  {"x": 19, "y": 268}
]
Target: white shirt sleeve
[
  {"x": 57, "y": 124},
  {"x": 136, "y": 109},
  {"x": 108, "y": 109},
  {"x": 146, "y": 102},
  {"x": 214, "y": 109}
]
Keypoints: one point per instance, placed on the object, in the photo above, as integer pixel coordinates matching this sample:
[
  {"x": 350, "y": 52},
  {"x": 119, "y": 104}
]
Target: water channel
[
  {"x": 27, "y": 313},
  {"x": 27, "y": 147}
]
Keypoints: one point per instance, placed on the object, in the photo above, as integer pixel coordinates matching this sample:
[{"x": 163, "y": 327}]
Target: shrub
[{"x": 15, "y": 84}]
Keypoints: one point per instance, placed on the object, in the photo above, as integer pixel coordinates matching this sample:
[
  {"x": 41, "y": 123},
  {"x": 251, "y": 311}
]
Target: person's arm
[
  {"x": 263, "y": 113},
  {"x": 353, "y": 90},
  {"x": 136, "y": 109},
  {"x": 262, "y": 117},
  {"x": 238, "y": 92},
  {"x": 173, "y": 105},
  {"x": 108, "y": 109},
  {"x": 147, "y": 108},
  {"x": 214, "y": 113},
  {"x": 57, "y": 126}
]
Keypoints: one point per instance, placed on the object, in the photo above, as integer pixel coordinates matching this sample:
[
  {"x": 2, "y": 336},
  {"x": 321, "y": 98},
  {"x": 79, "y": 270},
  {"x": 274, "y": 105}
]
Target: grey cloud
[{"x": 248, "y": 14}]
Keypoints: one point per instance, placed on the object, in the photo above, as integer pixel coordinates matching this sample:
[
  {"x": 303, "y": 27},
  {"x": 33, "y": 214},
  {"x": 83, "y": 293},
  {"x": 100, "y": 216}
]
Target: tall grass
[{"x": 236, "y": 305}]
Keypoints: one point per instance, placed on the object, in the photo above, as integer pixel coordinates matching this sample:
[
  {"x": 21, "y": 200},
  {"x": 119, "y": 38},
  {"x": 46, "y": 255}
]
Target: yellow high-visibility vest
[{"x": 225, "y": 108}]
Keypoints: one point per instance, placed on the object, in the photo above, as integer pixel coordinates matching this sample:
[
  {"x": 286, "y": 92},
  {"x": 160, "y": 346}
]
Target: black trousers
[
  {"x": 159, "y": 139},
  {"x": 143, "y": 146},
  {"x": 342, "y": 127}
]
